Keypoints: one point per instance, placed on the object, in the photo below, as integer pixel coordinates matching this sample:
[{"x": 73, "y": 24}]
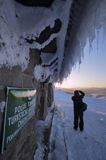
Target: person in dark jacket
[{"x": 78, "y": 113}]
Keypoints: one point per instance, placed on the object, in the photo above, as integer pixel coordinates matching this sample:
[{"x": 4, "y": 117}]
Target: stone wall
[
  {"x": 22, "y": 147},
  {"x": 44, "y": 99}
]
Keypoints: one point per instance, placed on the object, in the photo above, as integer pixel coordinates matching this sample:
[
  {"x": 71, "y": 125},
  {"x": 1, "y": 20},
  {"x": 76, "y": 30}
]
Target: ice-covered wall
[
  {"x": 42, "y": 28},
  {"x": 22, "y": 27}
]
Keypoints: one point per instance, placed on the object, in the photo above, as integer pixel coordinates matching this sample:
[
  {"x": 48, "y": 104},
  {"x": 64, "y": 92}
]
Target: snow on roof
[
  {"x": 86, "y": 20},
  {"x": 18, "y": 23}
]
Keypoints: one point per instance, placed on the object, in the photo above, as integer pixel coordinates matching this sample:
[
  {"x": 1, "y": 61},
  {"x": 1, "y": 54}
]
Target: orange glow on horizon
[{"x": 66, "y": 84}]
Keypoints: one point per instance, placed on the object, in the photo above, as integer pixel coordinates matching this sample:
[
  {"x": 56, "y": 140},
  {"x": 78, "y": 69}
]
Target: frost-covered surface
[
  {"x": 91, "y": 19},
  {"x": 41, "y": 73},
  {"x": 67, "y": 143},
  {"x": 2, "y": 106},
  {"x": 40, "y": 128},
  {"x": 46, "y": 70},
  {"x": 18, "y": 22},
  {"x": 100, "y": 96},
  {"x": 40, "y": 146}
]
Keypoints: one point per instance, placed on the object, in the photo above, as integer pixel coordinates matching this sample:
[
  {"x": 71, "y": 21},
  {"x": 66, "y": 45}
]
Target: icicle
[{"x": 97, "y": 40}]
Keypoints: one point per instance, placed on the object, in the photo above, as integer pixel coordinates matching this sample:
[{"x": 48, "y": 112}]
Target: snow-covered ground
[{"x": 68, "y": 144}]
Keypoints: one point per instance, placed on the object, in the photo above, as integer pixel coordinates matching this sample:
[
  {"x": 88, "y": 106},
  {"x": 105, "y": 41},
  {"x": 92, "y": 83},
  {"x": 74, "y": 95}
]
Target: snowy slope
[{"x": 67, "y": 144}]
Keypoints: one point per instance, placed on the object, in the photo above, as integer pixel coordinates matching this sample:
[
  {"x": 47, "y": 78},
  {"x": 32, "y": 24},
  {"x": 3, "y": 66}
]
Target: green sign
[{"x": 19, "y": 110}]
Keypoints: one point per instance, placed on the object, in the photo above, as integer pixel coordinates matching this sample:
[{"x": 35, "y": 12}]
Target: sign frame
[{"x": 18, "y": 111}]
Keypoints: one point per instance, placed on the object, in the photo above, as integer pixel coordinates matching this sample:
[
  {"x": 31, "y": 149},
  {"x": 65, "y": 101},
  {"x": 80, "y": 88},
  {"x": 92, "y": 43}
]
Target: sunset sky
[{"x": 92, "y": 71}]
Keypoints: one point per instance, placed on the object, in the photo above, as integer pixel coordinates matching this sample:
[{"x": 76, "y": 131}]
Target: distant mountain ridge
[{"x": 95, "y": 92}]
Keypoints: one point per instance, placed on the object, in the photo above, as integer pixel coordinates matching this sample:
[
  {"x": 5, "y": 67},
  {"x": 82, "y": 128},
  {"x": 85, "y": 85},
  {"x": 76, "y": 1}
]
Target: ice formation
[
  {"x": 86, "y": 20},
  {"x": 20, "y": 26},
  {"x": 2, "y": 106}
]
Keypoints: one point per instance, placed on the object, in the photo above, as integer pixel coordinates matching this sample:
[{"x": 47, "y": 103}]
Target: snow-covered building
[
  {"x": 56, "y": 30},
  {"x": 40, "y": 41}
]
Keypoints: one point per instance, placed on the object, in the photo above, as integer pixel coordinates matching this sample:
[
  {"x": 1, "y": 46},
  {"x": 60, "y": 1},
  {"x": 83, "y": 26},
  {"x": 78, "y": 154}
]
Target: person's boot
[
  {"x": 75, "y": 128},
  {"x": 81, "y": 129}
]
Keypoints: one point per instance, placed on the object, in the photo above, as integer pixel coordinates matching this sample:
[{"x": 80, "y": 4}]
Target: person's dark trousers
[
  {"x": 76, "y": 119},
  {"x": 81, "y": 121}
]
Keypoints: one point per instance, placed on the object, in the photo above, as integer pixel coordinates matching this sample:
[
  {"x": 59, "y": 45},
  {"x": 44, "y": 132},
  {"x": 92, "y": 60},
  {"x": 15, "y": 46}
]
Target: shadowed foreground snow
[{"x": 68, "y": 144}]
